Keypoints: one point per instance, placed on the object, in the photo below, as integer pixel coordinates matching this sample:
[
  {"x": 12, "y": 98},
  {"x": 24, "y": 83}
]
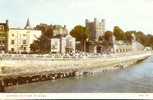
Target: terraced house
[{"x": 4, "y": 28}]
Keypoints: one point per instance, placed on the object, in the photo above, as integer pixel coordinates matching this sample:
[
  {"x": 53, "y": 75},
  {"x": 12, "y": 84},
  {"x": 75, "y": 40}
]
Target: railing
[{"x": 66, "y": 56}]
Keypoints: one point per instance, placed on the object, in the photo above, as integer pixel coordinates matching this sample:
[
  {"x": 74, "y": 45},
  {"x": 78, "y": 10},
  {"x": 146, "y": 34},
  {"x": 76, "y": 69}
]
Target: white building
[
  {"x": 19, "y": 40},
  {"x": 136, "y": 46},
  {"x": 55, "y": 45},
  {"x": 70, "y": 44},
  {"x": 147, "y": 49},
  {"x": 120, "y": 46},
  {"x": 63, "y": 45}
]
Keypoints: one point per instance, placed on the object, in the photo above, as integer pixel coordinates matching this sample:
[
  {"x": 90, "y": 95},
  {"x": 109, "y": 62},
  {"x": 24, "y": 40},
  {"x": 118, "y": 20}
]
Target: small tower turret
[{"x": 27, "y": 26}]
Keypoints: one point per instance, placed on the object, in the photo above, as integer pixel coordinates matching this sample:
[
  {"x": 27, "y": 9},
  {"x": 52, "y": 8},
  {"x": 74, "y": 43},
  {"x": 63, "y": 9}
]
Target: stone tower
[{"x": 96, "y": 28}]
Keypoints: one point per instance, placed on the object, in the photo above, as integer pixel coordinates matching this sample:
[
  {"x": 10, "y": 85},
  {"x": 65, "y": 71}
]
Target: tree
[
  {"x": 43, "y": 44},
  {"x": 106, "y": 39},
  {"x": 47, "y": 30},
  {"x": 128, "y": 36},
  {"x": 35, "y": 47},
  {"x": 108, "y": 36},
  {"x": 81, "y": 34},
  {"x": 150, "y": 40},
  {"x": 140, "y": 37},
  {"x": 119, "y": 33}
]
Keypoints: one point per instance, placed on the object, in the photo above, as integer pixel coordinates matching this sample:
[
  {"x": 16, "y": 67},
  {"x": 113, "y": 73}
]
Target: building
[
  {"x": 120, "y": 46},
  {"x": 70, "y": 44},
  {"x": 148, "y": 49},
  {"x": 55, "y": 45},
  {"x": 92, "y": 47},
  {"x": 19, "y": 40},
  {"x": 136, "y": 46},
  {"x": 59, "y": 30},
  {"x": 96, "y": 28},
  {"x": 3, "y": 36},
  {"x": 63, "y": 44}
]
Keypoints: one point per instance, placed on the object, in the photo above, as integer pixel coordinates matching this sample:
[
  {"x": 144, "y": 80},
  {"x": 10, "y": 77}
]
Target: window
[
  {"x": 24, "y": 41},
  {"x": 28, "y": 32},
  {"x": 24, "y": 35},
  {"x": 24, "y": 48},
  {"x": 3, "y": 42},
  {"x": 12, "y": 49},
  {"x": 12, "y": 41},
  {"x": 1, "y": 28},
  {"x": 12, "y": 35}
]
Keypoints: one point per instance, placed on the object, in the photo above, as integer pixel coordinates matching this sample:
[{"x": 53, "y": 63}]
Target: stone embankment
[{"x": 23, "y": 69}]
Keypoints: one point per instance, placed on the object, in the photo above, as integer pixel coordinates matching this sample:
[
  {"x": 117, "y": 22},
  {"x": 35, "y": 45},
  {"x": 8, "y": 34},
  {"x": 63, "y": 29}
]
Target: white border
[{"x": 76, "y": 95}]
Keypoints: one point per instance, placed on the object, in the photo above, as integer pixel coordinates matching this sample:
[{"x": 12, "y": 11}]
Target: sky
[{"x": 128, "y": 14}]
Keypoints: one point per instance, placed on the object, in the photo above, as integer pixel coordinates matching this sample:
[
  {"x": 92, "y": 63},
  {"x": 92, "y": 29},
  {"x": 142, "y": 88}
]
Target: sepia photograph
[{"x": 76, "y": 49}]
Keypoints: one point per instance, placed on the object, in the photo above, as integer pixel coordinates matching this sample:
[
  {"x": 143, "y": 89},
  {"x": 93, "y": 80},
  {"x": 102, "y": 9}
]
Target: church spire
[{"x": 27, "y": 26}]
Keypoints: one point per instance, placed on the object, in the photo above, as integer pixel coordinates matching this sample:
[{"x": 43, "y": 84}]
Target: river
[{"x": 134, "y": 79}]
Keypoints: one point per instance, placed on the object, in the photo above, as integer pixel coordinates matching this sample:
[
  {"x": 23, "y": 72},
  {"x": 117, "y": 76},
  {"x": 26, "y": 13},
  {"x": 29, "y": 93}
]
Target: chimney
[
  {"x": 64, "y": 26},
  {"x": 103, "y": 20},
  {"x": 86, "y": 21},
  {"x": 7, "y": 22},
  {"x": 95, "y": 19},
  {"x": 7, "y": 25}
]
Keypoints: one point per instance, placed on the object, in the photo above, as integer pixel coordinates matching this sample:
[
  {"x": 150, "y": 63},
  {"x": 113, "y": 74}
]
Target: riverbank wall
[{"x": 24, "y": 71}]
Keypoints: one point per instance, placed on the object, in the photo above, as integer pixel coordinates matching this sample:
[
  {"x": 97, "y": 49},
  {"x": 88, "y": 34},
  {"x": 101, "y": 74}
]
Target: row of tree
[
  {"x": 82, "y": 34},
  {"x": 145, "y": 39}
]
